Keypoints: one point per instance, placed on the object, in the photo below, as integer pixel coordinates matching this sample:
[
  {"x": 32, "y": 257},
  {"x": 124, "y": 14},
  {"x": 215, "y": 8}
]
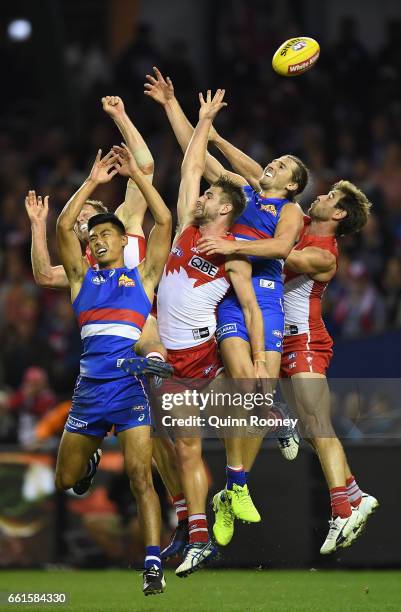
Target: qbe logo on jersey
[{"x": 203, "y": 266}]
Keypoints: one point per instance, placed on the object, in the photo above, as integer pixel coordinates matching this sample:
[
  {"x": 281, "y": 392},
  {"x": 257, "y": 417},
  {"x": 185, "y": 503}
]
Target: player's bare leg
[
  {"x": 75, "y": 452},
  {"x": 193, "y": 473},
  {"x": 251, "y": 444},
  {"x": 234, "y": 501},
  {"x": 164, "y": 453},
  {"x": 165, "y": 457},
  {"x": 200, "y": 548},
  {"x": 312, "y": 398},
  {"x": 136, "y": 444}
]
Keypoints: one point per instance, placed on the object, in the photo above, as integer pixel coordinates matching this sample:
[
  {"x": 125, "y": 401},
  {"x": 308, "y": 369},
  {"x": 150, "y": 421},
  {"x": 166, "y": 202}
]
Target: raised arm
[
  {"x": 318, "y": 263},
  {"x": 162, "y": 91},
  {"x": 45, "y": 275},
  {"x": 132, "y": 211},
  {"x": 239, "y": 161},
  {"x": 159, "y": 241},
  {"x": 240, "y": 274},
  {"x": 193, "y": 164},
  {"x": 69, "y": 246},
  {"x": 279, "y": 247}
]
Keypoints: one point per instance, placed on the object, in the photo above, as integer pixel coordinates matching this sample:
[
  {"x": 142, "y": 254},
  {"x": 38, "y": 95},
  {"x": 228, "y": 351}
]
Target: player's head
[
  {"x": 107, "y": 239},
  {"x": 286, "y": 175},
  {"x": 223, "y": 200},
  {"x": 89, "y": 209},
  {"x": 346, "y": 206}
]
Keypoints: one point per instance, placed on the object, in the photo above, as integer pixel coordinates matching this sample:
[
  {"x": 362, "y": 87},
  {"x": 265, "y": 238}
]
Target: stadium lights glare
[{"x": 19, "y": 30}]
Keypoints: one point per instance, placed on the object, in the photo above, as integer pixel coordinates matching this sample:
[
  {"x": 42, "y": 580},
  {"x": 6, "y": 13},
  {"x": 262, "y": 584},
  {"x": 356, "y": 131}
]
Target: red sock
[
  {"x": 198, "y": 528},
  {"x": 340, "y": 505},
  {"x": 353, "y": 491},
  {"x": 180, "y": 506}
]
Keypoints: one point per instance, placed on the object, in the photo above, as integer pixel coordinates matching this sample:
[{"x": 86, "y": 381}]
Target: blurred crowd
[{"x": 343, "y": 119}]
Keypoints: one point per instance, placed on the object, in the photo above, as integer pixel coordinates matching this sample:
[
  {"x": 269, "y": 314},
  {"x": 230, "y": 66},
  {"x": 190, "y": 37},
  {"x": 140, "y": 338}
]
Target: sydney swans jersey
[
  {"x": 111, "y": 309},
  {"x": 134, "y": 252},
  {"x": 191, "y": 287},
  {"x": 259, "y": 221},
  {"x": 302, "y": 294}
]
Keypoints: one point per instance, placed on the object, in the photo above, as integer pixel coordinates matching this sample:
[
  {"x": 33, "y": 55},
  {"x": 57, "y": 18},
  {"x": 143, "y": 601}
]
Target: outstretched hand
[
  {"x": 104, "y": 169},
  {"x": 161, "y": 90},
  {"x": 211, "y": 106},
  {"x": 113, "y": 106},
  {"x": 36, "y": 208},
  {"x": 126, "y": 162}
]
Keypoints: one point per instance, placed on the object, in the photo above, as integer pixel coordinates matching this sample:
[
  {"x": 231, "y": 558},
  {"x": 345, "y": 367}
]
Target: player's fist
[
  {"x": 113, "y": 106},
  {"x": 211, "y": 106},
  {"x": 36, "y": 207},
  {"x": 161, "y": 90}
]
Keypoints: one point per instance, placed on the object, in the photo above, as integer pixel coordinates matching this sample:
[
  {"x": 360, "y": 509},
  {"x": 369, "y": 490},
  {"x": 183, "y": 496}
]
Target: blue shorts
[
  {"x": 231, "y": 322},
  {"x": 98, "y": 404}
]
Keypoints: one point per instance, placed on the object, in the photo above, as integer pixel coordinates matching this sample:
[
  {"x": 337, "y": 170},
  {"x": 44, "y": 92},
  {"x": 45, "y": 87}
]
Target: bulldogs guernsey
[
  {"x": 111, "y": 309},
  {"x": 189, "y": 291},
  {"x": 307, "y": 344},
  {"x": 258, "y": 221}
]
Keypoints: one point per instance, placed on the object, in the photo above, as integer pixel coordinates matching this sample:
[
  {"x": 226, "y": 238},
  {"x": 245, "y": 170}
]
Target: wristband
[{"x": 155, "y": 355}]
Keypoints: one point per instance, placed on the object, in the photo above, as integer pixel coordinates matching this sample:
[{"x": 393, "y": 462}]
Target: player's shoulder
[
  {"x": 294, "y": 209},
  {"x": 187, "y": 231}
]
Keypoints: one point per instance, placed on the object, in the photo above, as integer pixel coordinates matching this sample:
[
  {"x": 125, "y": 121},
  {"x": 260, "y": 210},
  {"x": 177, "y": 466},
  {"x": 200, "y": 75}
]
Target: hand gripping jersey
[
  {"x": 111, "y": 309},
  {"x": 259, "y": 221},
  {"x": 191, "y": 287},
  {"x": 134, "y": 252},
  {"x": 302, "y": 294}
]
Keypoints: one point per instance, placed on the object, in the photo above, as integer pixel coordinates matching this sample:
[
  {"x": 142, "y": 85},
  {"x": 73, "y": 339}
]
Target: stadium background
[{"x": 343, "y": 118}]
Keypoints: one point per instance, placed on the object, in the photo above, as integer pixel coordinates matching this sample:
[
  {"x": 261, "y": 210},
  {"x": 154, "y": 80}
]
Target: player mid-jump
[{"x": 111, "y": 304}]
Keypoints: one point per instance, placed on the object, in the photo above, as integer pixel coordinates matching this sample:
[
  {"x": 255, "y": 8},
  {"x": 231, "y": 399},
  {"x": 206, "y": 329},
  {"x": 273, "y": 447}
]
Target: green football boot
[
  {"x": 223, "y": 528},
  {"x": 242, "y": 505}
]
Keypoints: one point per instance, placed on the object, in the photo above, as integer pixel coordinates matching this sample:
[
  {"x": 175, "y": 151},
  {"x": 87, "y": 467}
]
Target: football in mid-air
[{"x": 295, "y": 56}]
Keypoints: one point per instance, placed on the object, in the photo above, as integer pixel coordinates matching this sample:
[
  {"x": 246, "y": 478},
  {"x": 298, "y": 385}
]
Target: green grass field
[{"x": 211, "y": 591}]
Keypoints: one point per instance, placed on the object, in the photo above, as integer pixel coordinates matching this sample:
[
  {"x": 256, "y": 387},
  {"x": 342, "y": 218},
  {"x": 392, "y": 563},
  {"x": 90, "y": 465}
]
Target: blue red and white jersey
[
  {"x": 259, "y": 221},
  {"x": 111, "y": 309}
]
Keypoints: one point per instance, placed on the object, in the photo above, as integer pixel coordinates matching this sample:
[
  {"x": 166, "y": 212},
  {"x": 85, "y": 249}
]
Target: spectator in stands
[{"x": 31, "y": 402}]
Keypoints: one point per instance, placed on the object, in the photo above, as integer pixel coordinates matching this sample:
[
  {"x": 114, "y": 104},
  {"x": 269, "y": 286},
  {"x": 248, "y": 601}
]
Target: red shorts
[
  {"x": 306, "y": 353},
  {"x": 198, "y": 362}
]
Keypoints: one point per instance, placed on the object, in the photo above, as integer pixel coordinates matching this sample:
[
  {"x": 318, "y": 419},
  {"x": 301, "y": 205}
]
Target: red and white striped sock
[
  {"x": 180, "y": 506},
  {"x": 353, "y": 491},
  {"x": 198, "y": 531},
  {"x": 340, "y": 505}
]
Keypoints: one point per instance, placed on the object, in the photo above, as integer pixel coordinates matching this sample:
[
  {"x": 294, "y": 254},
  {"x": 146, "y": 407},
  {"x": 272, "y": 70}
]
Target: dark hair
[
  {"x": 97, "y": 205},
  {"x": 300, "y": 175},
  {"x": 232, "y": 193},
  {"x": 106, "y": 218},
  {"x": 356, "y": 205}
]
